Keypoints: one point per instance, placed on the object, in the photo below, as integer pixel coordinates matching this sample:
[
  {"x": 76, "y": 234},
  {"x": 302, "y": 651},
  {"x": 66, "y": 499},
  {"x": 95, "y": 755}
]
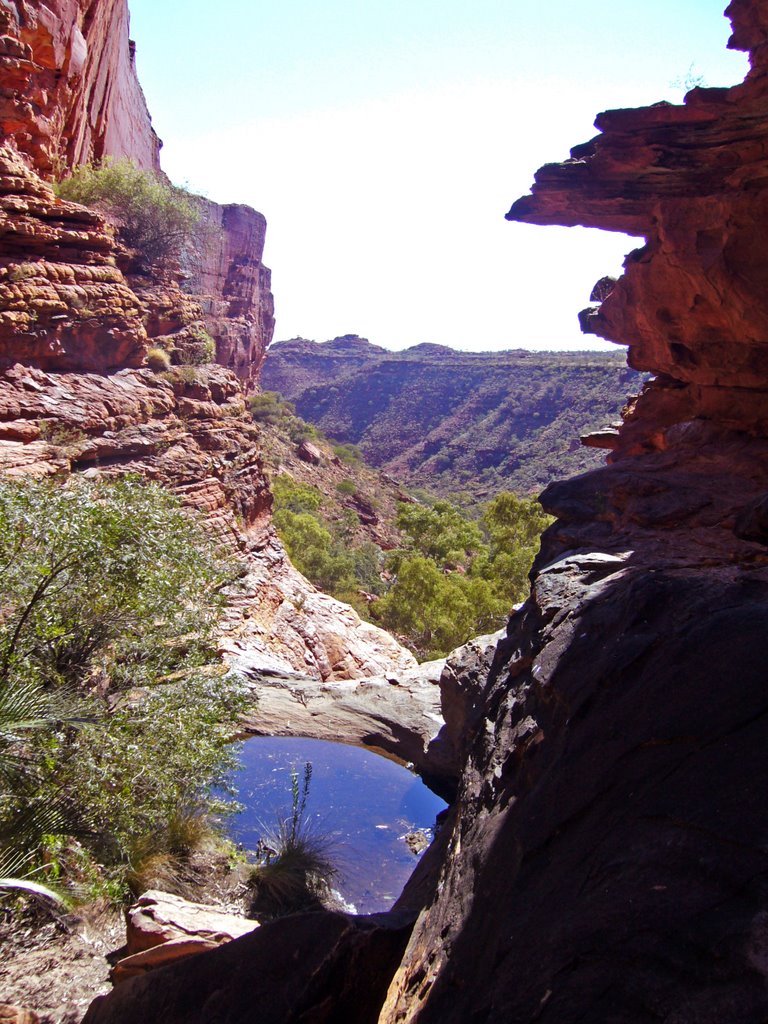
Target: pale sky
[{"x": 384, "y": 140}]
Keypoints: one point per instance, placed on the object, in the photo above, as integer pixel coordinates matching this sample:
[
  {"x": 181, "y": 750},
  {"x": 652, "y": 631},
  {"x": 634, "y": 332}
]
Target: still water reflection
[{"x": 365, "y": 803}]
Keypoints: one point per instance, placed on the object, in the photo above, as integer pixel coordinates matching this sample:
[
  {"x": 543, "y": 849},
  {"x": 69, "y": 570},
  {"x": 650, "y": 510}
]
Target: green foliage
[
  {"x": 194, "y": 346},
  {"x": 292, "y": 496},
  {"x": 158, "y": 359},
  {"x": 456, "y": 580},
  {"x": 139, "y": 782},
  {"x": 346, "y": 487},
  {"x": 440, "y": 532},
  {"x": 103, "y": 581},
  {"x": 153, "y": 217},
  {"x": 269, "y": 407},
  {"x": 348, "y": 453},
  {"x": 108, "y": 587},
  {"x": 321, "y": 550}
]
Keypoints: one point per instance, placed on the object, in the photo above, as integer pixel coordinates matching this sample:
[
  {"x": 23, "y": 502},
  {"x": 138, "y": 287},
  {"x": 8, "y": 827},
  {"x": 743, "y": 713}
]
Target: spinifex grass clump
[{"x": 296, "y": 870}]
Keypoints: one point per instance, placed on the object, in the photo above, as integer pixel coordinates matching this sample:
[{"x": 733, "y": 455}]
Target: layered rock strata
[
  {"x": 70, "y": 92},
  {"x": 69, "y": 96},
  {"x": 605, "y": 859},
  {"x": 232, "y": 285}
]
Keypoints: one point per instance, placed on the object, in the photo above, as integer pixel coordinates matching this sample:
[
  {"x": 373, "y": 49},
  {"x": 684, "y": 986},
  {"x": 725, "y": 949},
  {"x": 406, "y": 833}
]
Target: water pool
[{"x": 364, "y": 802}]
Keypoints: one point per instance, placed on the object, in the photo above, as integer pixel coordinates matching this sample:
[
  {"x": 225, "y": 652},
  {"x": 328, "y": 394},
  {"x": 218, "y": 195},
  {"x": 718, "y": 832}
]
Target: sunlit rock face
[
  {"x": 70, "y": 92},
  {"x": 77, "y": 315},
  {"x": 233, "y": 286},
  {"x": 69, "y": 96}
]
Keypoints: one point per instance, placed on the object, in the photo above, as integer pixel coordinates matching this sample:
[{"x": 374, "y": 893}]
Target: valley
[{"x": 461, "y": 425}]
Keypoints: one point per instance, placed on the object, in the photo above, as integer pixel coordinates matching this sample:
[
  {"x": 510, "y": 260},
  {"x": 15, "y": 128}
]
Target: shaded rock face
[
  {"x": 70, "y": 92},
  {"x": 302, "y": 960}
]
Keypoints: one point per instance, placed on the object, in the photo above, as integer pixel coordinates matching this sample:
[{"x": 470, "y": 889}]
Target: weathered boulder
[
  {"x": 162, "y": 928},
  {"x": 606, "y": 861},
  {"x": 308, "y": 452},
  {"x": 398, "y": 713},
  {"x": 64, "y": 304}
]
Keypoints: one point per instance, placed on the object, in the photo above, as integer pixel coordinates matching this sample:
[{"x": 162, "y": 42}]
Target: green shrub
[
  {"x": 348, "y": 453},
  {"x": 292, "y": 496},
  {"x": 457, "y": 578},
  {"x": 268, "y": 407},
  {"x": 107, "y": 587},
  {"x": 194, "y": 346},
  {"x": 346, "y": 487},
  {"x": 152, "y": 216}
]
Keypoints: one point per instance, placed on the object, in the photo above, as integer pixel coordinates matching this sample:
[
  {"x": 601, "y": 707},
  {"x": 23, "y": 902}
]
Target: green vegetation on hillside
[
  {"x": 464, "y": 425},
  {"x": 114, "y": 716},
  {"x": 452, "y": 579},
  {"x": 457, "y": 578},
  {"x": 322, "y": 548}
]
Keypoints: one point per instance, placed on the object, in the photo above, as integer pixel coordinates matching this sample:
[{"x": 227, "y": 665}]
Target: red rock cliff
[
  {"x": 70, "y": 91},
  {"x": 75, "y": 323},
  {"x": 70, "y": 95}
]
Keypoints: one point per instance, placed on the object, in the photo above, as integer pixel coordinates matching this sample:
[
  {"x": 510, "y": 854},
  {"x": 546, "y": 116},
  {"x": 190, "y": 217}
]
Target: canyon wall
[
  {"x": 70, "y": 92},
  {"x": 606, "y": 855},
  {"x": 609, "y": 861},
  {"x": 71, "y": 96}
]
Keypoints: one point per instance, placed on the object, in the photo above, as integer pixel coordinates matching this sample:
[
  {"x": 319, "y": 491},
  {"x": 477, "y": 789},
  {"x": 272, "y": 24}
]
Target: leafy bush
[
  {"x": 108, "y": 587},
  {"x": 458, "y": 578},
  {"x": 292, "y": 496},
  {"x": 348, "y": 453},
  {"x": 193, "y": 346},
  {"x": 268, "y": 407},
  {"x": 152, "y": 216},
  {"x": 346, "y": 487}
]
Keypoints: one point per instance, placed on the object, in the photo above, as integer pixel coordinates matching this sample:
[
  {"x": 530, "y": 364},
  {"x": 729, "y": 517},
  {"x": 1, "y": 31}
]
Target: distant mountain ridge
[{"x": 451, "y": 421}]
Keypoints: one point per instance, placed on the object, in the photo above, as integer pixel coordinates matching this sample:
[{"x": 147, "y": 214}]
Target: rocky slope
[
  {"x": 606, "y": 859},
  {"x": 451, "y": 422}
]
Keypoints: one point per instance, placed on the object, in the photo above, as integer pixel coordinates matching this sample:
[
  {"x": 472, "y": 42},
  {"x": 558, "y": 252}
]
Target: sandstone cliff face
[
  {"x": 232, "y": 285},
  {"x": 76, "y": 319},
  {"x": 70, "y": 96},
  {"x": 70, "y": 92},
  {"x": 75, "y": 398}
]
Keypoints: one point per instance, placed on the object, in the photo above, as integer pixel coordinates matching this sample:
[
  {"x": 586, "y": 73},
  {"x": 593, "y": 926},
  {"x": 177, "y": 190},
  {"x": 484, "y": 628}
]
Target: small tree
[{"x": 152, "y": 216}]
